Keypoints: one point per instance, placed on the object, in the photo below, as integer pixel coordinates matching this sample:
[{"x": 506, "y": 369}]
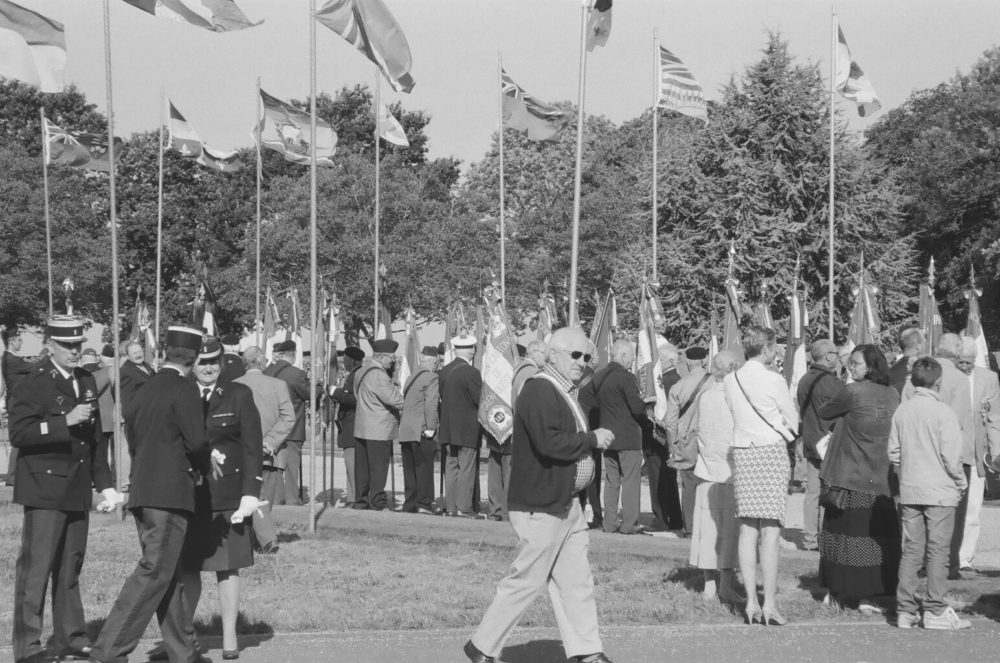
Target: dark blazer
[
  {"x": 232, "y": 368},
  {"x": 820, "y": 385},
  {"x": 345, "y": 415},
  {"x": 14, "y": 371},
  {"x": 106, "y": 397},
  {"x": 56, "y": 463},
  {"x": 613, "y": 394},
  {"x": 898, "y": 374},
  {"x": 165, "y": 426},
  {"x": 420, "y": 405},
  {"x": 132, "y": 380},
  {"x": 298, "y": 389},
  {"x": 461, "y": 386},
  {"x": 232, "y": 424}
]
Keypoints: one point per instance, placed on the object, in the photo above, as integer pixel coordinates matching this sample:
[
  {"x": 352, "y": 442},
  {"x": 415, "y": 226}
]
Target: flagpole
[
  {"x": 312, "y": 264},
  {"x": 833, "y": 77},
  {"x": 378, "y": 109},
  {"x": 159, "y": 228},
  {"x": 115, "y": 332},
  {"x": 503, "y": 233},
  {"x": 48, "y": 223},
  {"x": 575, "y": 243},
  {"x": 656, "y": 139},
  {"x": 256, "y": 316}
]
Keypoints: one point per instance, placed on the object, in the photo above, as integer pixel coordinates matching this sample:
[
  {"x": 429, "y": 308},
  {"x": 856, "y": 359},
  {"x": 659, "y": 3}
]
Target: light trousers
[
  {"x": 971, "y": 528},
  {"x": 551, "y": 554}
]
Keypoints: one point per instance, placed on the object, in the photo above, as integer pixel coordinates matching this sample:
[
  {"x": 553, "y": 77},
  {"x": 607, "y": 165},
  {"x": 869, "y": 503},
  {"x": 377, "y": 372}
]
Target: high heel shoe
[
  {"x": 755, "y": 617},
  {"x": 772, "y": 618}
]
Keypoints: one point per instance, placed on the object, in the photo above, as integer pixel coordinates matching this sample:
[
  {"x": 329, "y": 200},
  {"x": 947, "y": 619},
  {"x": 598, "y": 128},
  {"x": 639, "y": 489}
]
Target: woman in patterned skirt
[
  {"x": 860, "y": 542},
  {"x": 763, "y": 417}
]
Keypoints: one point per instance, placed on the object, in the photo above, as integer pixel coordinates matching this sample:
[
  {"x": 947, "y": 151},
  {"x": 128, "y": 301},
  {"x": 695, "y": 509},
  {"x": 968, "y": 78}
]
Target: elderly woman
[
  {"x": 860, "y": 541},
  {"x": 715, "y": 532},
  {"x": 763, "y": 417}
]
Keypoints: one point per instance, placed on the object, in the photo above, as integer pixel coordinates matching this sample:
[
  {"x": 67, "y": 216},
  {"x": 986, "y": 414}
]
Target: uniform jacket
[
  {"x": 132, "y": 379},
  {"x": 56, "y": 464},
  {"x": 232, "y": 367},
  {"x": 461, "y": 386},
  {"x": 614, "y": 394},
  {"x": 420, "y": 405},
  {"x": 298, "y": 389},
  {"x": 277, "y": 414},
  {"x": 379, "y": 403},
  {"x": 165, "y": 427},
  {"x": 232, "y": 424},
  {"x": 985, "y": 415},
  {"x": 345, "y": 414}
]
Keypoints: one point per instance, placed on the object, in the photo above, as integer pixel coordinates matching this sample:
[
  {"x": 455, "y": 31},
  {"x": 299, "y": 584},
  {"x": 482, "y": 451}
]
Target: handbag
[
  {"x": 832, "y": 497},
  {"x": 684, "y": 452}
]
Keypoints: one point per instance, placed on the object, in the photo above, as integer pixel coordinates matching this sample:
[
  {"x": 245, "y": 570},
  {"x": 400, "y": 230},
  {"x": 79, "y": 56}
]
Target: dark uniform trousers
[
  {"x": 418, "y": 473},
  {"x": 461, "y": 477},
  {"x": 51, "y": 541},
  {"x": 663, "y": 492},
  {"x": 371, "y": 468},
  {"x": 293, "y": 472},
  {"x": 154, "y": 586}
]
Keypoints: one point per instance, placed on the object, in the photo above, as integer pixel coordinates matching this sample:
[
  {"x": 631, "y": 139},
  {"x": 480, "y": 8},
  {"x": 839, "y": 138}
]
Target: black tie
[{"x": 206, "y": 394}]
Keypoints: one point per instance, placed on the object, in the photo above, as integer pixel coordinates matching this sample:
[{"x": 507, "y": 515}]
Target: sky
[{"x": 903, "y": 46}]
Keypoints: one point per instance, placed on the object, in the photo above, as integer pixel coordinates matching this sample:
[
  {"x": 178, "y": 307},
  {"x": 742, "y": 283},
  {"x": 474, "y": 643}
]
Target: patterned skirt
[
  {"x": 859, "y": 547},
  {"x": 760, "y": 475}
]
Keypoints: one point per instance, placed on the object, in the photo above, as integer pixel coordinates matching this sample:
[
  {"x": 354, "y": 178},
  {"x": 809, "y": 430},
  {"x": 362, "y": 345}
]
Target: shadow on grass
[
  {"x": 538, "y": 651},
  {"x": 692, "y": 578},
  {"x": 987, "y": 605},
  {"x": 288, "y": 537},
  {"x": 810, "y": 583}
]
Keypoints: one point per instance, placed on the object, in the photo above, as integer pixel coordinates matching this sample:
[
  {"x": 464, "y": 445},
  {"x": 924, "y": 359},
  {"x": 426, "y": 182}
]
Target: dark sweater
[{"x": 545, "y": 449}]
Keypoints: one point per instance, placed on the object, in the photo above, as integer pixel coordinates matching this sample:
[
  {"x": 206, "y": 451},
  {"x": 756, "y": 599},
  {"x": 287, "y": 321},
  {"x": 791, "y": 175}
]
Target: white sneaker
[
  {"x": 907, "y": 620},
  {"x": 946, "y": 621}
]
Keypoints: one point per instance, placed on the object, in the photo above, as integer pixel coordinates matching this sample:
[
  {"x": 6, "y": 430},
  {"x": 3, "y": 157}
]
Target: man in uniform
[
  {"x": 353, "y": 356},
  {"x": 53, "y": 423},
  {"x": 417, "y": 427},
  {"x": 461, "y": 387},
  {"x": 232, "y": 363},
  {"x": 298, "y": 389},
  {"x": 166, "y": 431},
  {"x": 12, "y": 370},
  {"x": 376, "y": 423}
]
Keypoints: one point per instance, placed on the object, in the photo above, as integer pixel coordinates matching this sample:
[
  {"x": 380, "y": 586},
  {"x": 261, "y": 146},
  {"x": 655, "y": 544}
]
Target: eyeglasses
[{"x": 575, "y": 355}]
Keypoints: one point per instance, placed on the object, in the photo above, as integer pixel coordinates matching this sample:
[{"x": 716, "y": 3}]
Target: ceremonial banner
[
  {"x": 77, "y": 149},
  {"x": 185, "y": 141},
  {"x": 294, "y": 332},
  {"x": 454, "y": 325},
  {"x": 370, "y": 27},
  {"x": 974, "y": 325},
  {"x": 602, "y": 331},
  {"x": 679, "y": 91},
  {"x": 214, "y": 15},
  {"x": 762, "y": 316},
  {"x": 390, "y": 129},
  {"x": 142, "y": 328},
  {"x": 928, "y": 315},
  {"x": 851, "y": 82},
  {"x": 731, "y": 339},
  {"x": 32, "y": 47},
  {"x": 795, "y": 365},
  {"x": 203, "y": 308},
  {"x": 865, "y": 325},
  {"x": 648, "y": 368},
  {"x": 523, "y": 112},
  {"x": 286, "y": 129},
  {"x": 499, "y": 359},
  {"x": 384, "y": 327},
  {"x": 411, "y": 349},
  {"x": 272, "y": 318},
  {"x": 713, "y": 330},
  {"x": 598, "y": 24},
  {"x": 546, "y": 316}
]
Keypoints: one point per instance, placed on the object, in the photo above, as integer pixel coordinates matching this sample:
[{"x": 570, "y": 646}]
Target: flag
[
  {"x": 480, "y": 334},
  {"x": 203, "y": 308},
  {"x": 928, "y": 315},
  {"x": 32, "y": 47},
  {"x": 762, "y": 316},
  {"x": 272, "y": 318},
  {"x": 679, "y": 91},
  {"x": 851, "y": 82},
  {"x": 285, "y": 129},
  {"x": 77, "y": 149},
  {"x": 795, "y": 364},
  {"x": 390, "y": 129},
  {"x": 598, "y": 24},
  {"x": 214, "y": 15},
  {"x": 523, "y": 112},
  {"x": 411, "y": 348},
  {"x": 713, "y": 330},
  {"x": 142, "y": 328},
  {"x": 546, "y": 316},
  {"x": 731, "y": 320},
  {"x": 370, "y": 27},
  {"x": 974, "y": 324},
  {"x": 185, "y": 141},
  {"x": 294, "y": 332},
  {"x": 499, "y": 357},
  {"x": 602, "y": 331},
  {"x": 865, "y": 326},
  {"x": 648, "y": 368},
  {"x": 383, "y": 329}
]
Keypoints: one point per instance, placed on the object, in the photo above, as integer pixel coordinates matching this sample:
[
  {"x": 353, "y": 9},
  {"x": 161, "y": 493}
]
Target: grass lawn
[{"x": 395, "y": 571}]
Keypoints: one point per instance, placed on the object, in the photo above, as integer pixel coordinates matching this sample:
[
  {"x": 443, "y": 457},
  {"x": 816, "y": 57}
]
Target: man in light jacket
[{"x": 376, "y": 423}]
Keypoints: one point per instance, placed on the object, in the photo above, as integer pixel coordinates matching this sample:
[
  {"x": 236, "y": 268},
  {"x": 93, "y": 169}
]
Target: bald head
[
  {"x": 623, "y": 352},
  {"x": 969, "y": 349},
  {"x": 824, "y": 353},
  {"x": 949, "y": 346}
]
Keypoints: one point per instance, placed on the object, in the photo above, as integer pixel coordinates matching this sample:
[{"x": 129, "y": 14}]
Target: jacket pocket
[{"x": 47, "y": 466}]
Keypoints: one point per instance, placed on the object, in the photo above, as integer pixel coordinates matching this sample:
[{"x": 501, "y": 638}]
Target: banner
[{"x": 499, "y": 359}]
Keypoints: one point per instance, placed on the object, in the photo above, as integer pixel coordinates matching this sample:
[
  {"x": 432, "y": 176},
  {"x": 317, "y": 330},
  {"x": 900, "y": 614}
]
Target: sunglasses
[{"x": 576, "y": 354}]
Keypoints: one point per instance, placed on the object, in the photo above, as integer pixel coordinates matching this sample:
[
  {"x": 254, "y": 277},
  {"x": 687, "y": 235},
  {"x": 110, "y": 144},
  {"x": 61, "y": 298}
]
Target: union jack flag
[{"x": 77, "y": 149}]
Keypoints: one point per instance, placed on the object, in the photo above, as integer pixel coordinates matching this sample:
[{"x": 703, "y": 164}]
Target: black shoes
[
  {"x": 230, "y": 654},
  {"x": 591, "y": 658},
  {"x": 476, "y": 656},
  {"x": 76, "y": 653},
  {"x": 45, "y": 657}
]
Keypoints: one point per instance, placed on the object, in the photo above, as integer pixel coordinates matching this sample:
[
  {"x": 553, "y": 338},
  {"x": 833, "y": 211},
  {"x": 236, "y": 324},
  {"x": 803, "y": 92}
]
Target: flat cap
[{"x": 385, "y": 346}]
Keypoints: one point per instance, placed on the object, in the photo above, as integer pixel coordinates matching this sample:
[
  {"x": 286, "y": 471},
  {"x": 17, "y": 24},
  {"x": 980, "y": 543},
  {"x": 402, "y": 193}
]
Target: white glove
[
  {"x": 112, "y": 498},
  {"x": 429, "y": 432},
  {"x": 248, "y": 505}
]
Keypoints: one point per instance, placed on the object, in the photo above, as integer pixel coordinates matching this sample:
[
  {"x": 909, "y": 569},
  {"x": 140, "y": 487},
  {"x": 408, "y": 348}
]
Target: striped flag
[
  {"x": 928, "y": 315},
  {"x": 795, "y": 365},
  {"x": 499, "y": 359},
  {"x": 480, "y": 335},
  {"x": 679, "y": 91},
  {"x": 272, "y": 318},
  {"x": 390, "y": 129},
  {"x": 411, "y": 348},
  {"x": 370, "y": 27},
  {"x": 214, "y": 15},
  {"x": 713, "y": 331},
  {"x": 762, "y": 315},
  {"x": 647, "y": 361},
  {"x": 286, "y": 129},
  {"x": 294, "y": 331},
  {"x": 185, "y": 141},
  {"x": 203, "y": 308},
  {"x": 77, "y": 149},
  {"x": 32, "y": 47},
  {"x": 142, "y": 328},
  {"x": 598, "y": 24},
  {"x": 523, "y": 112},
  {"x": 974, "y": 324},
  {"x": 865, "y": 325},
  {"x": 546, "y": 316},
  {"x": 731, "y": 339},
  {"x": 851, "y": 82},
  {"x": 454, "y": 324}
]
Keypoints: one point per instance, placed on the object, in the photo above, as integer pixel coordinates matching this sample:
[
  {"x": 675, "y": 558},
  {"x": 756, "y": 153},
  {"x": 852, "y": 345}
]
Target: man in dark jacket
[
  {"x": 614, "y": 394},
  {"x": 353, "y": 356},
  {"x": 417, "y": 427},
  {"x": 166, "y": 432},
  {"x": 550, "y": 463},
  {"x": 298, "y": 388},
  {"x": 13, "y": 369},
  {"x": 911, "y": 343},
  {"x": 53, "y": 423},
  {"x": 461, "y": 387},
  {"x": 232, "y": 363}
]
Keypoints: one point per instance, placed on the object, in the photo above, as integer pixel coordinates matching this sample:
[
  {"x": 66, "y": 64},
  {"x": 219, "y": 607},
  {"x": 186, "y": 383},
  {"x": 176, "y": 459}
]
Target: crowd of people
[{"x": 895, "y": 459}]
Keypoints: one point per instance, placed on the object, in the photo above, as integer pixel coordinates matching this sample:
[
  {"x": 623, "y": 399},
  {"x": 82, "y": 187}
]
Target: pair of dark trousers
[
  {"x": 663, "y": 492},
  {"x": 418, "y": 473},
  {"x": 371, "y": 468},
  {"x": 53, "y": 544},
  {"x": 497, "y": 478},
  {"x": 293, "y": 472},
  {"x": 689, "y": 486},
  {"x": 461, "y": 475},
  {"x": 622, "y": 476},
  {"x": 927, "y": 534},
  {"x": 153, "y": 588}
]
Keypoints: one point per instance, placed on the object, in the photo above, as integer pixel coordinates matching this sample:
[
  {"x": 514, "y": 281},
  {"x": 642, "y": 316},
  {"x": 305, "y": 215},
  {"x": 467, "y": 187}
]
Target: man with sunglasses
[
  {"x": 62, "y": 454},
  {"x": 551, "y": 462}
]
